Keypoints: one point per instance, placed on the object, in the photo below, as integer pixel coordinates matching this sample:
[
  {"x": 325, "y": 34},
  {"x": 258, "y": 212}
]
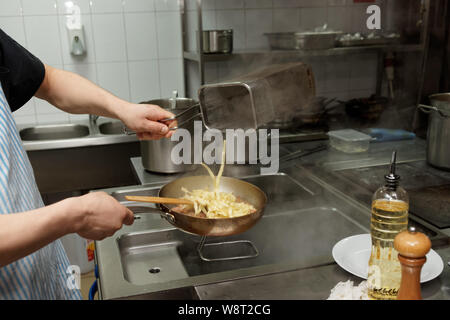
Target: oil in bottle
[{"x": 390, "y": 206}]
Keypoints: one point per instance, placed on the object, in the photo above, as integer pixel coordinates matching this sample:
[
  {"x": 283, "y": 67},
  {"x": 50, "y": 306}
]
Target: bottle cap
[{"x": 392, "y": 179}]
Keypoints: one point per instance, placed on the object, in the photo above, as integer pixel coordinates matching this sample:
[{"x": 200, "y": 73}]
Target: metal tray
[
  {"x": 367, "y": 42},
  {"x": 302, "y": 40}
]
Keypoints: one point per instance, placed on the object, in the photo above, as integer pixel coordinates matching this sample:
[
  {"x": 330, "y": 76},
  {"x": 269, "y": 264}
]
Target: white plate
[{"x": 353, "y": 254}]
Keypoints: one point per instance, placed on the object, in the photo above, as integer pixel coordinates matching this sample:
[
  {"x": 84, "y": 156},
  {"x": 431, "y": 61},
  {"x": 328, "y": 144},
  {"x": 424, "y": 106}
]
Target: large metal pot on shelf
[
  {"x": 156, "y": 154},
  {"x": 438, "y": 135}
]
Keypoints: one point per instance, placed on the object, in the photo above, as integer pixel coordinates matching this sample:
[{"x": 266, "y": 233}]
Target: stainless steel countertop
[
  {"x": 302, "y": 282},
  {"x": 94, "y": 138}
]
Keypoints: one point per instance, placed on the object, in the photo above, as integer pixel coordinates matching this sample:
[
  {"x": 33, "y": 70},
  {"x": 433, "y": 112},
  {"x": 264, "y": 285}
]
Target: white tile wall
[
  {"x": 109, "y": 37},
  {"x": 133, "y": 47},
  {"x": 144, "y": 80},
  {"x": 10, "y": 8},
  {"x": 138, "y": 5},
  {"x": 257, "y": 22},
  {"x": 14, "y": 26},
  {"x": 343, "y": 76},
  {"x": 142, "y": 47},
  {"x": 168, "y": 26}
]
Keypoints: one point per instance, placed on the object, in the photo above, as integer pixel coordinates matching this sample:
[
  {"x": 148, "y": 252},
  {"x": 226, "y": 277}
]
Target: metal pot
[
  {"x": 218, "y": 41},
  {"x": 156, "y": 154},
  {"x": 438, "y": 135}
]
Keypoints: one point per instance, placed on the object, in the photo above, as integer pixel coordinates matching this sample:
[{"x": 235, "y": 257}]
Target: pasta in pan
[{"x": 216, "y": 204}]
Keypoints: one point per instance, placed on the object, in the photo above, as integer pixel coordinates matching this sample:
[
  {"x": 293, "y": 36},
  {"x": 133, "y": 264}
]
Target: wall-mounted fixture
[{"x": 75, "y": 32}]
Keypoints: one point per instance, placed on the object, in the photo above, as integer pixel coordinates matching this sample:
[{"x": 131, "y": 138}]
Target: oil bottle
[{"x": 390, "y": 206}]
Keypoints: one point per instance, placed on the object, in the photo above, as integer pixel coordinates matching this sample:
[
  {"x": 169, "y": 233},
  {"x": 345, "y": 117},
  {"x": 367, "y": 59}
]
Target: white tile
[
  {"x": 319, "y": 72},
  {"x": 337, "y": 74},
  {"x": 89, "y": 55},
  {"x": 233, "y": 19},
  {"x": 191, "y": 5},
  {"x": 311, "y": 18},
  {"x": 13, "y": 26},
  {"x": 193, "y": 80},
  {"x": 41, "y": 7},
  {"x": 43, "y": 38},
  {"x": 26, "y": 120},
  {"x": 10, "y": 8},
  {"x": 287, "y": 3},
  {"x": 87, "y": 71},
  {"x": 359, "y": 19},
  {"x": 339, "y": 19},
  {"x": 167, "y": 5},
  {"x": 211, "y": 72},
  {"x": 191, "y": 31},
  {"x": 258, "y": 22},
  {"x": 258, "y": 4},
  {"x": 114, "y": 78},
  {"x": 209, "y": 20},
  {"x": 109, "y": 37},
  {"x": 229, "y": 4},
  {"x": 59, "y": 118},
  {"x": 27, "y": 109},
  {"x": 171, "y": 77},
  {"x": 208, "y": 4},
  {"x": 106, "y": 6},
  {"x": 78, "y": 118},
  {"x": 67, "y": 6},
  {"x": 313, "y": 3},
  {"x": 144, "y": 80},
  {"x": 363, "y": 72},
  {"x": 43, "y": 107},
  {"x": 168, "y": 25},
  {"x": 138, "y": 5},
  {"x": 286, "y": 19},
  {"x": 141, "y": 36},
  {"x": 339, "y": 2}
]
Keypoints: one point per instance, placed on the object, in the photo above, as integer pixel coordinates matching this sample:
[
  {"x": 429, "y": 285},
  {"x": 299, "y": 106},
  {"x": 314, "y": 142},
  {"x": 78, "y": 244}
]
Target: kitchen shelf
[
  {"x": 194, "y": 56},
  {"x": 199, "y": 59}
]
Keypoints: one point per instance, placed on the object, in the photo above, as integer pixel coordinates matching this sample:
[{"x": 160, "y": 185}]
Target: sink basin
[
  {"x": 161, "y": 256},
  {"x": 54, "y": 132},
  {"x": 294, "y": 217},
  {"x": 115, "y": 127}
]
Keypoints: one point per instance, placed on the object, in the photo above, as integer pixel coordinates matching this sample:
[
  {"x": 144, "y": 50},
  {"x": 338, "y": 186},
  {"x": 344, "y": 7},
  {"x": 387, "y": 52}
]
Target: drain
[{"x": 154, "y": 270}]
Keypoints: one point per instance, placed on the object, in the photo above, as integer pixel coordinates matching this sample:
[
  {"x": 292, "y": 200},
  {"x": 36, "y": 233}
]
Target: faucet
[{"x": 93, "y": 118}]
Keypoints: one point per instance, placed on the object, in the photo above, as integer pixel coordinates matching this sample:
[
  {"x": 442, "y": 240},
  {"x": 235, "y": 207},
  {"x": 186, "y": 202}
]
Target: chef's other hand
[
  {"x": 145, "y": 119},
  {"x": 99, "y": 215}
]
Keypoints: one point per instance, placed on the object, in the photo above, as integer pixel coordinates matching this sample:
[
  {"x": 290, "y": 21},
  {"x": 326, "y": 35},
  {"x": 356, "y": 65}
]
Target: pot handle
[
  {"x": 130, "y": 132},
  {"x": 142, "y": 209},
  {"x": 426, "y": 109},
  {"x": 429, "y": 109}
]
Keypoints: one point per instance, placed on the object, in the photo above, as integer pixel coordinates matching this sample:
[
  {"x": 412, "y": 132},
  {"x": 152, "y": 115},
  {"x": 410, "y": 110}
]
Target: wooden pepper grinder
[{"x": 412, "y": 246}]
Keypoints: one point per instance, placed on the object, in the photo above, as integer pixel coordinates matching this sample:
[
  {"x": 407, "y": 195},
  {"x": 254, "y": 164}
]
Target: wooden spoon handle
[{"x": 159, "y": 200}]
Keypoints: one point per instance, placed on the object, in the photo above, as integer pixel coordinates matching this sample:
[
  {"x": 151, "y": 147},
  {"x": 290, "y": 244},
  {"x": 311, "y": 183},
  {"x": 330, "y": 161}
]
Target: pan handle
[{"x": 142, "y": 209}]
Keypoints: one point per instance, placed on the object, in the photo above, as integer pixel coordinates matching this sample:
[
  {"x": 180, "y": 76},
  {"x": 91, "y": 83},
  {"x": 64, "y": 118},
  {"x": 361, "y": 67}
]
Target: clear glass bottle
[{"x": 390, "y": 206}]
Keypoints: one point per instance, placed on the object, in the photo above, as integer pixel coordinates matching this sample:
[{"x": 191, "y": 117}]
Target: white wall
[{"x": 133, "y": 47}]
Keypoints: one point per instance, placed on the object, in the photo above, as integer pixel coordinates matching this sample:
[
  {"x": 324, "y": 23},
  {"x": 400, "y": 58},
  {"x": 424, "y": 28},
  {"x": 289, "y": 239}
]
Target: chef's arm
[
  {"x": 93, "y": 216},
  {"x": 75, "y": 94}
]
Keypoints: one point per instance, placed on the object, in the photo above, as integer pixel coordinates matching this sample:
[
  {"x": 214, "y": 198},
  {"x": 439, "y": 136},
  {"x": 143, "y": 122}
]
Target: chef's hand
[
  {"x": 144, "y": 120},
  {"x": 98, "y": 215}
]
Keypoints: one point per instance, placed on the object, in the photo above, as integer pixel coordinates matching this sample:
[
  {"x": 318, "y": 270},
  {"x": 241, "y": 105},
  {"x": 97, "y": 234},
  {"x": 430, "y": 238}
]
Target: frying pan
[{"x": 209, "y": 226}]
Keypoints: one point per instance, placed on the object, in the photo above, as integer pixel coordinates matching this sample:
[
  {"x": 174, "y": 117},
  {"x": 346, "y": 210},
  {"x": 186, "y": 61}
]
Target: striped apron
[{"x": 42, "y": 274}]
